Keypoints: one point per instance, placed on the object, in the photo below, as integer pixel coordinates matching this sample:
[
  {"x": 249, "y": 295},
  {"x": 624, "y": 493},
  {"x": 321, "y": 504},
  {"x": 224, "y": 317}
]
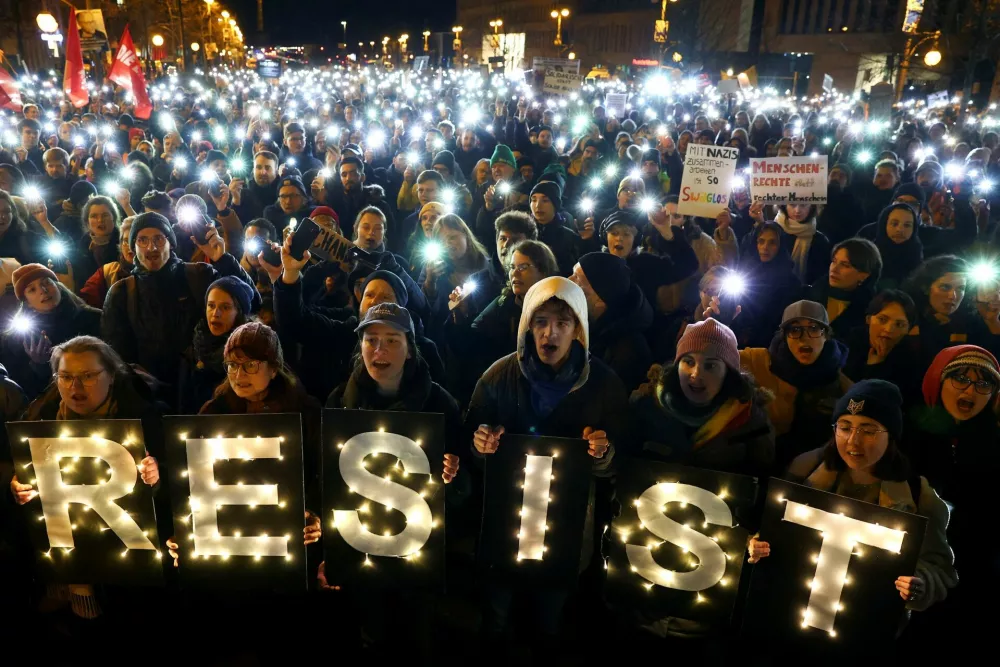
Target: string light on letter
[
  {"x": 385, "y": 492},
  {"x": 711, "y": 565},
  {"x": 56, "y": 495},
  {"x": 840, "y": 535},
  {"x": 207, "y": 496},
  {"x": 535, "y": 507}
]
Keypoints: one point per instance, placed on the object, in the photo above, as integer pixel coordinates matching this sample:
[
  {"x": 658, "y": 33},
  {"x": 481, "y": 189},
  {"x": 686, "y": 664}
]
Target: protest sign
[
  {"x": 269, "y": 69},
  {"x": 832, "y": 569},
  {"x": 788, "y": 180},
  {"x": 236, "y": 487},
  {"x": 707, "y": 180},
  {"x": 384, "y": 498},
  {"x": 534, "y": 508},
  {"x": 614, "y": 104},
  {"x": 541, "y": 65},
  {"x": 95, "y": 520},
  {"x": 677, "y": 546},
  {"x": 560, "y": 83}
]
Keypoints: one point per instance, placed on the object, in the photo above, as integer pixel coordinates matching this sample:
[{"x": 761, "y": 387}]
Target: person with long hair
[
  {"x": 49, "y": 314},
  {"x": 771, "y": 285},
  {"x": 96, "y": 241},
  {"x": 875, "y": 350},
  {"x": 848, "y": 287},
  {"x": 898, "y": 243},
  {"x": 462, "y": 255},
  {"x": 16, "y": 240},
  {"x": 808, "y": 247}
]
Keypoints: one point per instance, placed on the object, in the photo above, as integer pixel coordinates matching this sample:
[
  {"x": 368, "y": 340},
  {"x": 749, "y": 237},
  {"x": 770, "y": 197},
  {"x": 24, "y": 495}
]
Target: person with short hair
[
  {"x": 855, "y": 269},
  {"x": 877, "y": 348}
]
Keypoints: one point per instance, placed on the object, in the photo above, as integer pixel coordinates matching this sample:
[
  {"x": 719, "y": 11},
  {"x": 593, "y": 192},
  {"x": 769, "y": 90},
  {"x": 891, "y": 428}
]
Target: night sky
[{"x": 292, "y": 22}]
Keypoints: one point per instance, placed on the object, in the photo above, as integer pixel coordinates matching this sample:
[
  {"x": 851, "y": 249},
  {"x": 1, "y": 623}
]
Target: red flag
[
  {"x": 75, "y": 77},
  {"x": 10, "y": 96},
  {"x": 127, "y": 73}
]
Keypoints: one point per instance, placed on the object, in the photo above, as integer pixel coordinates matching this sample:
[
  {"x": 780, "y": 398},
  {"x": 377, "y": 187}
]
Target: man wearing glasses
[
  {"x": 149, "y": 317},
  {"x": 293, "y": 202}
]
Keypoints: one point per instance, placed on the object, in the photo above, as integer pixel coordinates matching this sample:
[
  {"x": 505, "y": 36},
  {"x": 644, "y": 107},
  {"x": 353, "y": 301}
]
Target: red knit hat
[
  {"x": 711, "y": 337},
  {"x": 958, "y": 356},
  {"x": 327, "y": 211},
  {"x": 23, "y": 276}
]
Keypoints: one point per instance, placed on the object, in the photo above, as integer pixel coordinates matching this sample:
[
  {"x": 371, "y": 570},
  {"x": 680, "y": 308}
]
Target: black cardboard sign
[
  {"x": 535, "y": 498},
  {"x": 677, "y": 546},
  {"x": 250, "y": 468},
  {"x": 798, "y": 594},
  {"x": 92, "y": 520},
  {"x": 383, "y": 521}
]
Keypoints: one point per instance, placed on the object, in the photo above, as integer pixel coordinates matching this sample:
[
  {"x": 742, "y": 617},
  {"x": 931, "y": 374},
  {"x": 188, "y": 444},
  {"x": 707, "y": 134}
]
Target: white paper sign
[
  {"x": 614, "y": 104},
  {"x": 707, "y": 180},
  {"x": 787, "y": 180},
  {"x": 560, "y": 83}
]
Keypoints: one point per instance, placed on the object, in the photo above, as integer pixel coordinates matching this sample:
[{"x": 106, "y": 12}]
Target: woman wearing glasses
[
  {"x": 952, "y": 438},
  {"x": 49, "y": 314},
  {"x": 802, "y": 368},
  {"x": 90, "y": 381},
  {"x": 863, "y": 461}
]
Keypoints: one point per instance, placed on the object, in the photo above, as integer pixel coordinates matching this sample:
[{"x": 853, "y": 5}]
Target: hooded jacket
[
  {"x": 898, "y": 259},
  {"x": 771, "y": 287},
  {"x": 938, "y": 240}
]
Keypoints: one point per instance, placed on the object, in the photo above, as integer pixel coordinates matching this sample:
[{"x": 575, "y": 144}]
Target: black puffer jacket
[
  {"x": 70, "y": 318},
  {"x": 156, "y": 329},
  {"x": 617, "y": 338}
]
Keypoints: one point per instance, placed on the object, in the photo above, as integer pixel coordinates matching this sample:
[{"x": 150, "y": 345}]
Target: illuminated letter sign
[
  {"x": 383, "y": 522},
  {"x": 677, "y": 547},
  {"x": 95, "y": 520}
]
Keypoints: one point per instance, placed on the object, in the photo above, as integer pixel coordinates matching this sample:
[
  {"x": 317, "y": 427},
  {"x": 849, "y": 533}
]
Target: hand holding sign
[{"x": 486, "y": 438}]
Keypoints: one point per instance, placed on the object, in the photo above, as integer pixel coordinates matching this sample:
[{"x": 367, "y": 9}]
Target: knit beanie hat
[
  {"x": 550, "y": 190},
  {"x": 445, "y": 159},
  {"x": 24, "y": 275},
  {"x": 504, "y": 155},
  {"x": 80, "y": 192},
  {"x": 712, "y": 338},
  {"x": 846, "y": 168},
  {"x": 214, "y": 155},
  {"x": 135, "y": 132},
  {"x": 651, "y": 155},
  {"x": 608, "y": 275},
  {"x": 257, "y": 341},
  {"x": 633, "y": 153},
  {"x": 295, "y": 182},
  {"x": 137, "y": 156},
  {"x": 636, "y": 184},
  {"x": 241, "y": 292},
  {"x": 525, "y": 161},
  {"x": 877, "y": 399},
  {"x": 397, "y": 285},
  {"x": 126, "y": 120},
  {"x": 154, "y": 220},
  {"x": 325, "y": 211},
  {"x": 911, "y": 190},
  {"x": 437, "y": 207},
  {"x": 951, "y": 359},
  {"x": 932, "y": 166}
]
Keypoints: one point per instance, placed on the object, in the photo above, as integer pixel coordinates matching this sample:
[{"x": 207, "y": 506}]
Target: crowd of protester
[{"x": 520, "y": 265}]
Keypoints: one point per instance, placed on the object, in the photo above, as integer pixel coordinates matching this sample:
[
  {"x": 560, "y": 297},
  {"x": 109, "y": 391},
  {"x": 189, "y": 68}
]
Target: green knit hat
[{"x": 503, "y": 154}]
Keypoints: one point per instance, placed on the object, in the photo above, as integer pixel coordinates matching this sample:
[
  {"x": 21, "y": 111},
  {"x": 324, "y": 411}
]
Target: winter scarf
[
  {"x": 208, "y": 348},
  {"x": 711, "y": 421},
  {"x": 548, "y": 387},
  {"x": 823, "y": 371},
  {"x": 898, "y": 259},
  {"x": 803, "y": 233}
]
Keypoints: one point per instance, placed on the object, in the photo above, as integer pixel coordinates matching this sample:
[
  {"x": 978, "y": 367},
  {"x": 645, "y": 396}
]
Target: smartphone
[
  {"x": 363, "y": 257},
  {"x": 727, "y": 305},
  {"x": 305, "y": 234},
  {"x": 199, "y": 229},
  {"x": 270, "y": 255}
]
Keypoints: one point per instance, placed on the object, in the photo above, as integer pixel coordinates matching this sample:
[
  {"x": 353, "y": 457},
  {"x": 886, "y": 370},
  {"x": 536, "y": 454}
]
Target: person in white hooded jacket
[{"x": 549, "y": 387}]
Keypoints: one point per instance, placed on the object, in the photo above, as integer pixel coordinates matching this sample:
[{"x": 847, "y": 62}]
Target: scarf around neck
[
  {"x": 208, "y": 348},
  {"x": 803, "y": 233},
  {"x": 548, "y": 387},
  {"x": 825, "y": 370}
]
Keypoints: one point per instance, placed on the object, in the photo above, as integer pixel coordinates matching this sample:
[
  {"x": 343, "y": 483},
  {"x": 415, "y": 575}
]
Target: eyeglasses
[
  {"x": 156, "y": 241},
  {"x": 249, "y": 367},
  {"x": 961, "y": 382},
  {"x": 812, "y": 330},
  {"x": 87, "y": 379},
  {"x": 521, "y": 268},
  {"x": 866, "y": 432},
  {"x": 627, "y": 191}
]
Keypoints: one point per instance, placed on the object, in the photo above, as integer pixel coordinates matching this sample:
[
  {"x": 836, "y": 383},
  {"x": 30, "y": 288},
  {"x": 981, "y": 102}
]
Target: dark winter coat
[
  {"x": 347, "y": 205},
  {"x": 617, "y": 338},
  {"x": 564, "y": 244},
  {"x": 156, "y": 328},
  {"x": 254, "y": 199}
]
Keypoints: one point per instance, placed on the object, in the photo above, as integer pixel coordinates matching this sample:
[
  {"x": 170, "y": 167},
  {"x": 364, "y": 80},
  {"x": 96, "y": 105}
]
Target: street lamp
[
  {"x": 931, "y": 58},
  {"x": 458, "y": 37},
  {"x": 344, "y": 26},
  {"x": 496, "y": 25},
  {"x": 157, "y": 40},
  {"x": 195, "y": 46},
  {"x": 402, "y": 42},
  {"x": 427, "y": 34},
  {"x": 46, "y": 22},
  {"x": 225, "y": 14},
  {"x": 559, "y": 15}
]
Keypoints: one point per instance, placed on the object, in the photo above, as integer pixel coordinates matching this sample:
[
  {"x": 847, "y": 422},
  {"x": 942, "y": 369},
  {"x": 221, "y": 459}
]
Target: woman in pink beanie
[{"x": 703, "y": 411}]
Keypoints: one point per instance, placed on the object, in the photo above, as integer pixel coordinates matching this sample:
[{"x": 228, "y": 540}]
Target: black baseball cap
[{"x": 391, "y": 314}]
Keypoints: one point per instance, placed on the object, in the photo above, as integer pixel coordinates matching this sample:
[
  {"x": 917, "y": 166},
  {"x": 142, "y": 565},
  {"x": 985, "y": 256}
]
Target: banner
[
  {"x": 832, "y": 569},
  {"x": 677, "y": 547},
  {"x": 10, "y": 96},
  {"x": 92, "y": 520},
  {"x": 707, "y": 180},
  {"x": 74, "y": 76},
  {"x": 788, "y": 180},
  {"x": 269, "y": 69},
  {"x": 534, "y": 508},
  {"x": 541, "y": 65},
  {"x": 383, "y": 498},
  {"x": 330, "y": 245},
  {"x": 92, "y": 34},
  {"x": 236, "y": 487},
  {"x": 560, "y": 83},
  {"x": 127, "y": 73}
]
